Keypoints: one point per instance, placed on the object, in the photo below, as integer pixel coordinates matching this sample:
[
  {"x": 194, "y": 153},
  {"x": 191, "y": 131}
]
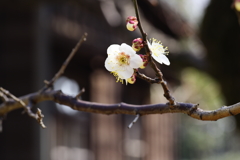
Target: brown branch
[
  {"x": 65, "y": 64},
  {"x": 27, "y": 108},
  {"x": 3, "y": 96},
  {"x": 8, "y": 94},
  {"x": 120, "y": 108},
  {"x": 39, "y": 117},
  {"x": 144, "y": 35},
  {"x": 146, "y": 78},
  {"x": 158, "y": 72}
]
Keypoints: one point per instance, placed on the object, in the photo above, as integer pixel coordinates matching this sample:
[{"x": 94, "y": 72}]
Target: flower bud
[
  {"x": 132, "y": 79},
  {"x": 145, "y": 61},
  {"x": 137, "y": 44},
  {"x": 132, "y": 23}
]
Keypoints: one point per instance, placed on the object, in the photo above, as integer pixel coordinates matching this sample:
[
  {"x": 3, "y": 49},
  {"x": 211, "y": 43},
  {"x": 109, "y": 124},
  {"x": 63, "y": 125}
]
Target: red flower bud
[{"x": 132, "y": 23}]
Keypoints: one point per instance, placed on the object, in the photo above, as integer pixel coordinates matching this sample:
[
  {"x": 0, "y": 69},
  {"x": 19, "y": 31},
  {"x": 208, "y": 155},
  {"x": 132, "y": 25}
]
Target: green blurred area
[
  {"x": 198, "y": 87},
  {"x": 205, "y": 140}
]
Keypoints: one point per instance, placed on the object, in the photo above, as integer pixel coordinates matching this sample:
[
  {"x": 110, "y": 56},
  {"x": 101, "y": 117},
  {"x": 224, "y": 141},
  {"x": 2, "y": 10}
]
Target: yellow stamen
[
  {"x": 123, "y": 58},
  {"x": 157, "y": 45},
  {"x": 117, "y": 77}
]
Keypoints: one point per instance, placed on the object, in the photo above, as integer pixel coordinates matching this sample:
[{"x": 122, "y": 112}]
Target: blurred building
[{"x": 35, "y": 39}]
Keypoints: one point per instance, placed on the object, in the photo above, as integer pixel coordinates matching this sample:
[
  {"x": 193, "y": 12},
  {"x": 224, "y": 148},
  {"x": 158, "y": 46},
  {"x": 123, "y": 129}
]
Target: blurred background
[{"x": 203, "y": 38}]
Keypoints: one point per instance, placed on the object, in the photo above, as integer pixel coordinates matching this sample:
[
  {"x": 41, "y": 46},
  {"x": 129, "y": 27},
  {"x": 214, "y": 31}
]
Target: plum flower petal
[
  {"x": 125, "y": 74},
  {"x": 110, "y": 65},
  {"x": 121, "y": 61},
  {"x": 112, "y": 48},
  {"x": 136, "y": 61},
  {"x": 126, "y": 48},
  {"x": 159, "y": 52}
]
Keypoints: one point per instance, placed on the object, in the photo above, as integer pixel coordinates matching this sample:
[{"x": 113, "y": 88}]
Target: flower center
[
  {"x": 123, "y": 59},
  {"x": 157, "y": 48}
]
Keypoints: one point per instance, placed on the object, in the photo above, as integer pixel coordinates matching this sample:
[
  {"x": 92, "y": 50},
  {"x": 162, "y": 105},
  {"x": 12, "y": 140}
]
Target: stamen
[{"x": 118, "y": 79}]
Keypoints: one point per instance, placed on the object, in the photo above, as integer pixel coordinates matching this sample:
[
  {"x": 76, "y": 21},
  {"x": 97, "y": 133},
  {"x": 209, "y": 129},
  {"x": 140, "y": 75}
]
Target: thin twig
[
  {"x": 146, "y": 78},
  {"x": 40, "y": 118},
  {"x": 65, "y": 64},
  {"x": 158, "y": 72},
  {"x": 167, "y": 93},
  {"x": 7, "y": 93},
  {"x": 144, "y": 35},
  {"x": 3, "y": 97},
  {"x": 80, "y": 93},
  {"x": 166, "y": 90},
  {"x": 27, "y": 109},
  {"x": 134, "y": 121}
]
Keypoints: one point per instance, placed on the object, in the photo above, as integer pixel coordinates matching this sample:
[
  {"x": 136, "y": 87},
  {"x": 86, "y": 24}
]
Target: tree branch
[
  {"x": 120, "y": 108},
  {"x": 158, "y": 72},
  {"x": 65, "y": 64},
  {"x": 27, "y": 108}
]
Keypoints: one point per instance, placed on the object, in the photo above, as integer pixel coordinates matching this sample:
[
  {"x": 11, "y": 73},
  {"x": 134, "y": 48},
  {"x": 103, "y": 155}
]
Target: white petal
[
  {"x": 126, "y": 49},
  {"x": 149, "y": 45},
  {"x": 126, "y": 73},
  {"x": 113, "y": 49},
  {"x": 136, "y": 61},
  {"x": 157, "y": 58},
  {"x": 161, "y": 58},
  {"x": 110, "y": 65},
  {"x": 165, "y": 59}
]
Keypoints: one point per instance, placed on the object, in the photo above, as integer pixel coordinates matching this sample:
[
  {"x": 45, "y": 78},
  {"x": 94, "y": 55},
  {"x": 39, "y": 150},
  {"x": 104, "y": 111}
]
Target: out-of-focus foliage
[
  {"x": 198, "y": 87},
  {"x": 199, "y": 139}
]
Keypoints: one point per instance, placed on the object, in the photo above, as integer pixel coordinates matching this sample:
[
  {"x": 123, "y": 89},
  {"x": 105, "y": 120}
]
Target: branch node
[
  {"x": 80, "y": 93},
  {"x": 230, "y": 112},
  {"x": 192, "y": 109},
  {"x": 195, "y": 107},
  {"x": 40, "y": 118},
  {"x": 134, "y": 121},
  {"x": 162, "y": 82}
]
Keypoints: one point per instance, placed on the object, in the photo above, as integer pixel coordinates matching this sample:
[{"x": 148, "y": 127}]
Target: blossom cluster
[{"x": 123, "y": 61}]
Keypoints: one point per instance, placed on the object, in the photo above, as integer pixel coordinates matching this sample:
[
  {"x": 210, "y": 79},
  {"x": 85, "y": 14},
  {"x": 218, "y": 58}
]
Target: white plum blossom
[
  {"x": 158, "y": 51},
  {"x": 121, "y": 61}
]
